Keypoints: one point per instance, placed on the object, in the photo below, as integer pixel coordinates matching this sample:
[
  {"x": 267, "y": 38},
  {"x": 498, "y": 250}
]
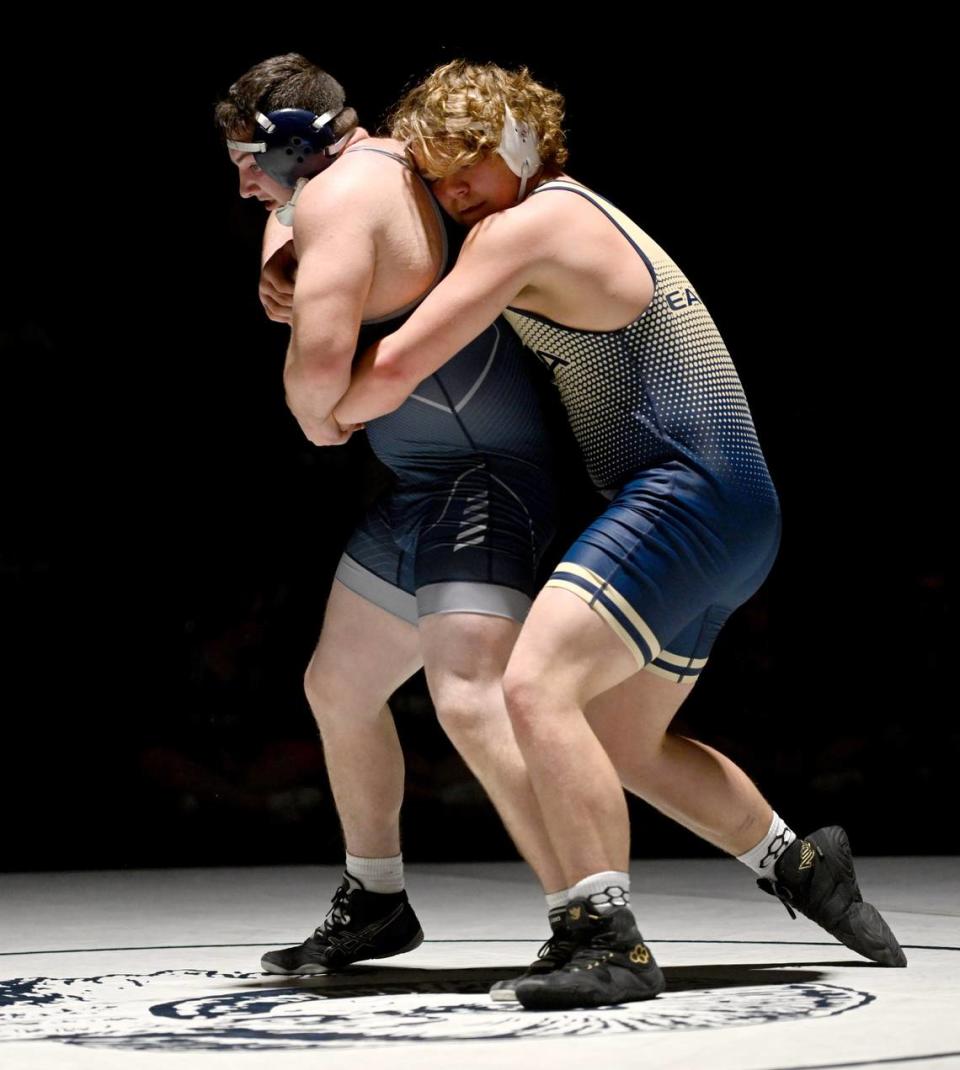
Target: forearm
[
  {"x": 456, "y": 313},
  {"x": 313, "y": 387},
  {"x": 378, "y": 386}
]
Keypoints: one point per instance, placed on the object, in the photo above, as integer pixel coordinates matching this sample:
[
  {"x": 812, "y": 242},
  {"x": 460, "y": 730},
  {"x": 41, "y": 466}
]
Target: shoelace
[
  {"x": 779, "y": 891},
  {"x": 336, "y": 917},
  {"x": 557, "y": 946}
]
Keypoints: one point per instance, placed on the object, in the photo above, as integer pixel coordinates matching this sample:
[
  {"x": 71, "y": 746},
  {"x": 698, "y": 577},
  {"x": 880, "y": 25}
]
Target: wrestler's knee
[
  {"x": 335, "y": 694},
  {"x": 321, "y": 689},
  {"x": 466, "y": 710},
  {"x": 529, "y": 698}
]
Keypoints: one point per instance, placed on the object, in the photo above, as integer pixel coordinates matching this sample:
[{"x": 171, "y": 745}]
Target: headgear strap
[{"x": 296, "y": 143}]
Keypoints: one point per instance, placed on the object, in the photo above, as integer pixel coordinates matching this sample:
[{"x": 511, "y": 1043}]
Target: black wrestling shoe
[
  {"x": 359, "y": 925},
  {"x": 610, "y": 964},
  {"x": 816, "y": 877},
  {"x": 556, "y": 952}
]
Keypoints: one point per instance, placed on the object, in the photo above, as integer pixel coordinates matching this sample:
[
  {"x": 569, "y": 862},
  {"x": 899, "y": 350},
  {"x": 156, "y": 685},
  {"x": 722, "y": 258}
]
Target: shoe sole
[
  {"x": 541, "y": 997},
  {"x": 505, "y": 991},
  {"x": 309, "y": 968}
]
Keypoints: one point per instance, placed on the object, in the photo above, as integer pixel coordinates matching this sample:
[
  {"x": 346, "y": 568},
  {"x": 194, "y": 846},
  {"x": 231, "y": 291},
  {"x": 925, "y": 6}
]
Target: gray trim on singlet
[
  {"x": 486, "y": 599},
  {"x": 456, "y": 596},
  {"x": 464, "y": 401},
  {"x": 445, "y": 251},
  {"x": 372, "y": 588}
]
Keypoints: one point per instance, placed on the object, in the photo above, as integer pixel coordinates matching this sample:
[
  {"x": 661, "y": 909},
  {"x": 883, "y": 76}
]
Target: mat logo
[{"x": 193, "y": 1010}]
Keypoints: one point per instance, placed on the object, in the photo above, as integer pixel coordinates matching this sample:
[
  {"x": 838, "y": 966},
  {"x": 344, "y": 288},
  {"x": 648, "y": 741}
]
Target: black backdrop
[{"x": 170, "y": 536}]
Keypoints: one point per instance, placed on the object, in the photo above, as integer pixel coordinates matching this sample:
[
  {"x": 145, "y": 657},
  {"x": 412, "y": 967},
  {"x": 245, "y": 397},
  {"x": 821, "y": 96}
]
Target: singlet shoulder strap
[
  {"x": 382, "y": 152},
  {"x": 564, "y": 183},
  {"x": 627, "y": 227}
]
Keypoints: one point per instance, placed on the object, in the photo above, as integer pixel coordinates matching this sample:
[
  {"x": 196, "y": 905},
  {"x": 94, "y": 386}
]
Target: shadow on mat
[
  {"x": 357, "y": 981},
  {"x": 376, "y": 980},
  {"x": 748, "y": 974}
]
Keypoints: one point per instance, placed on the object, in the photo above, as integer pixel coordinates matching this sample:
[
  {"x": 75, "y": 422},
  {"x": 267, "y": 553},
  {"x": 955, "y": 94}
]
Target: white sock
[
  {"x": 381, "y": 875},
  {"x": 557, "y": 900},
  {"x": 606, "y": 891},
  {"x": 762, "y": 858}
]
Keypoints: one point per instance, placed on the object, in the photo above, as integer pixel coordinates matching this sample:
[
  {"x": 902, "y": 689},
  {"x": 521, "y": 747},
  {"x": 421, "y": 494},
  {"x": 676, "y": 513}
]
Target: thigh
[
  {"x": 567, "y": 652},
  {"x": 633, "y": 717},
  {"x": 363, "y": 655}
]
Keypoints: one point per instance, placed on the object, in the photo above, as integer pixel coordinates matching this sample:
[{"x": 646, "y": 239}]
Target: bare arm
[
  {"x": 498, "y": 261},
  {"x": 278, "y": 261},
  {"x": 337, "y": 254},
  {"x": 275, "y": 235}
]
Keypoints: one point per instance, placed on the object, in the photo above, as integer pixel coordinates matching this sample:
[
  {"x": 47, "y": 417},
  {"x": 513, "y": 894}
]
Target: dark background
[{"x": 169, "y": 536}]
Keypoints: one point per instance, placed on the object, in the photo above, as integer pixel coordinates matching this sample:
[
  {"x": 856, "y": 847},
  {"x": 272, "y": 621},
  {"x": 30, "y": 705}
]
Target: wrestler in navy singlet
[
  {"x": 661, "y": 419},
  {"x": 472, "y": 510}
]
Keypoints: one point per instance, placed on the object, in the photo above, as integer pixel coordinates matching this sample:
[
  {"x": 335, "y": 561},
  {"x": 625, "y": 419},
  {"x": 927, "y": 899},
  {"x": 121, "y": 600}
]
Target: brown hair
[
  {"x": 289, "y": 81},
  {"x": 455, "y": 117}
]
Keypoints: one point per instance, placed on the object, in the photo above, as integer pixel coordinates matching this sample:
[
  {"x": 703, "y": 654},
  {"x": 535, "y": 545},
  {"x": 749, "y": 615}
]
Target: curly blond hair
[{"x": 455, "y": 117}]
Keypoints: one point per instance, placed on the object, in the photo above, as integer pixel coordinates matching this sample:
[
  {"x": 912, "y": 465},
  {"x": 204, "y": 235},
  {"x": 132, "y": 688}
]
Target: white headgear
[{"x": 518, "y": 147}]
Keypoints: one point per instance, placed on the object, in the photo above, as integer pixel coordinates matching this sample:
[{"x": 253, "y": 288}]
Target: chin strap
[{"x": 285, "y": 212}]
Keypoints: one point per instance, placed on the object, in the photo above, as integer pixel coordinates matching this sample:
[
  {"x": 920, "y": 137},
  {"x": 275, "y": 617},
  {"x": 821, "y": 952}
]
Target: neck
[
  {"x": 532, "y": 183},
  {"x": 359, "y": 134},
  {"x": 546, "y": 174}
]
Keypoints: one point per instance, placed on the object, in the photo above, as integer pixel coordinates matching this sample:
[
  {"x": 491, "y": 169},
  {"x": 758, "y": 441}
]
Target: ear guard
[
  {"x": 296, "y": 144},
  {"x": 518, "y": 147}
]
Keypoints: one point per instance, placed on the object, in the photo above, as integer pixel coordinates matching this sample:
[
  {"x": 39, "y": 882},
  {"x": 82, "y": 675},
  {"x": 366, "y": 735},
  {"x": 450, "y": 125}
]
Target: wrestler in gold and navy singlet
[
  {"x": 472, "y": 509},
  {"x": 661, "y": 419}
]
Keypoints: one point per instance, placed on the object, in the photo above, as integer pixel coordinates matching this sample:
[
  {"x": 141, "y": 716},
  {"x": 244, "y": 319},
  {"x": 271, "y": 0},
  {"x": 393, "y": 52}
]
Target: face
[
  {"x": 472, "y": 193},
  {"x": 255, "y": 183}
]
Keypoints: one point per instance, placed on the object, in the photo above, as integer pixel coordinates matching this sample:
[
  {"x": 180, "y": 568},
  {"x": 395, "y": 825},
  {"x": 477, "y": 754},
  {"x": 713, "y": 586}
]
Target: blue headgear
[{"x": 297, "y": 144}]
